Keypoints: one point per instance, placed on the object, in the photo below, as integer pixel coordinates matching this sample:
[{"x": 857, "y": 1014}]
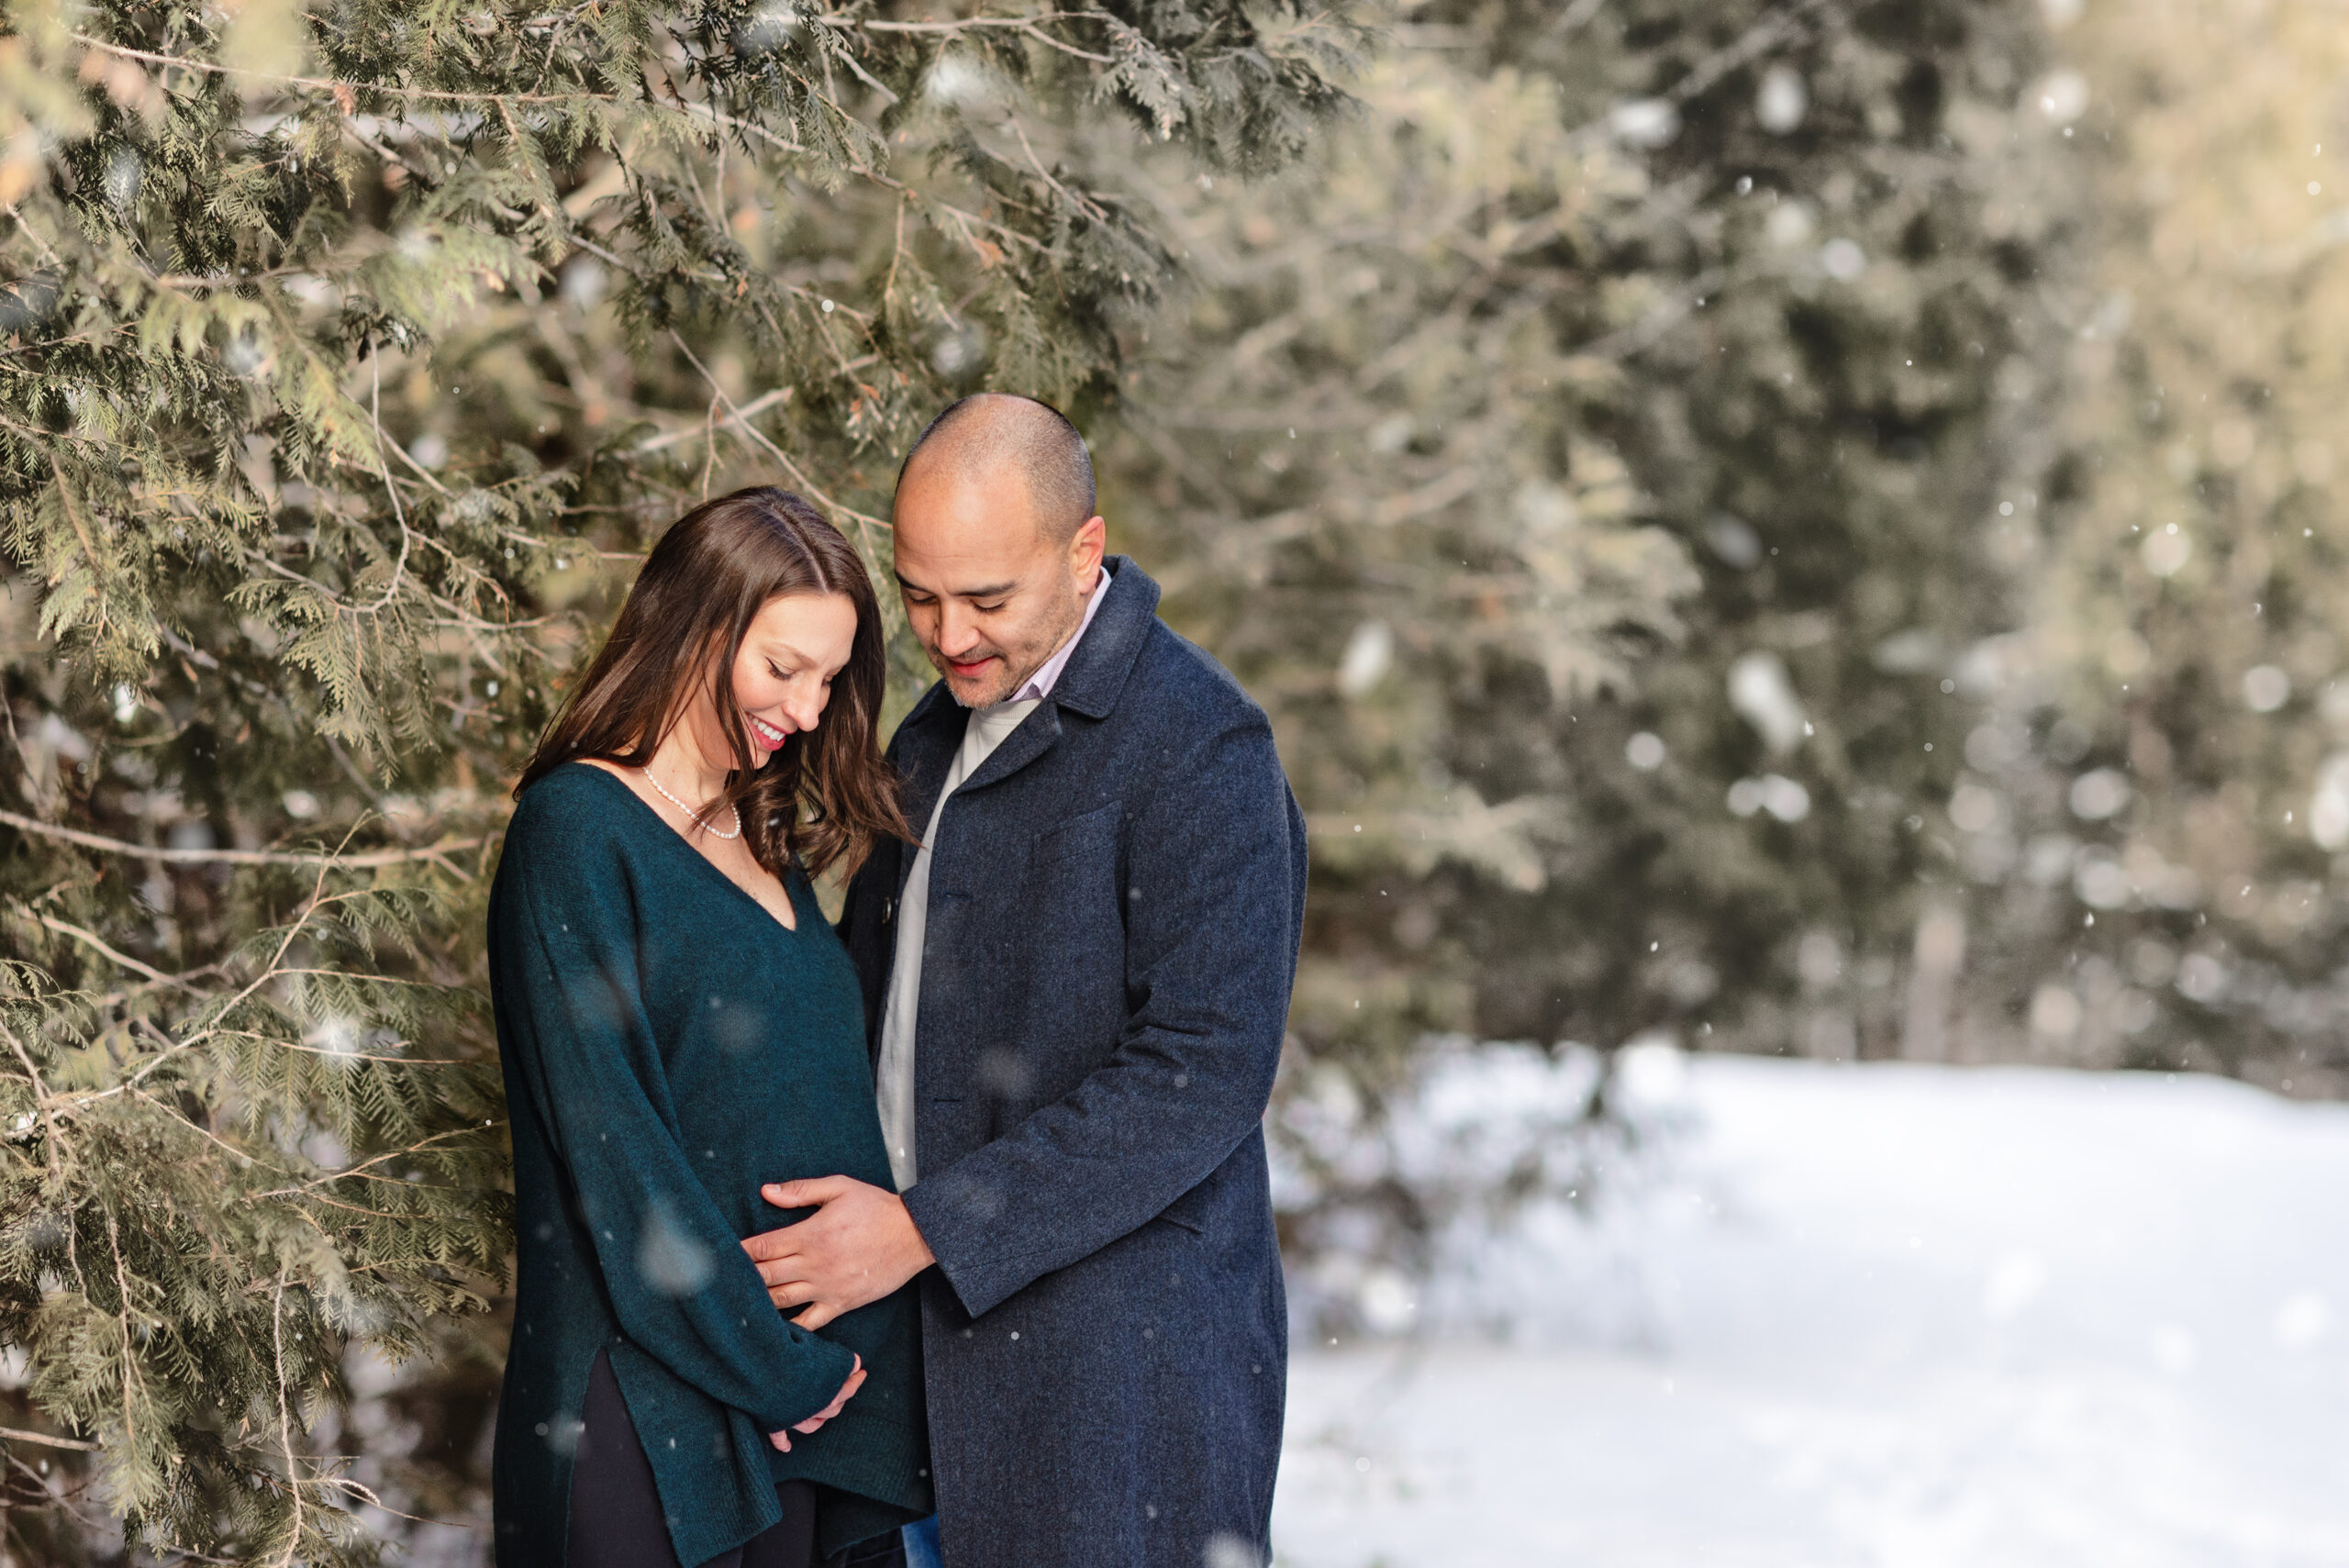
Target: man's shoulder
[
  {"x": 1179, "y": 685},
  {"x": 934, "y": 708}
]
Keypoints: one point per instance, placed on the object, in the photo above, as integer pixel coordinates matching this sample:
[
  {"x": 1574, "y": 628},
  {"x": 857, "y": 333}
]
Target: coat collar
[{"x": 1097, "y": 669}]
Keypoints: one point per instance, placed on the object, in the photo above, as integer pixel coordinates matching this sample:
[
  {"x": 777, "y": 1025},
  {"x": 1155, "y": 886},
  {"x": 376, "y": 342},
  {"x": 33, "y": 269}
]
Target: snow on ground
[{"x": 1875, "y": 1316}]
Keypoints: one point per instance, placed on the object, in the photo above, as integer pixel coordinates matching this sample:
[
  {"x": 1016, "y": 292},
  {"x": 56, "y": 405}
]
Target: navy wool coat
[{"x": 1115, "y": 907}]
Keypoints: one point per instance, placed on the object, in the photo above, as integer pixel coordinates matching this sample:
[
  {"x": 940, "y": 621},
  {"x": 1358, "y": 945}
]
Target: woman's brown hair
[{"x": 827, "y": 795}]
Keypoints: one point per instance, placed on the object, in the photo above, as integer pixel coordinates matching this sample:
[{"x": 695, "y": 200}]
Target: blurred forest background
[{"x": 1795, "y": 527}]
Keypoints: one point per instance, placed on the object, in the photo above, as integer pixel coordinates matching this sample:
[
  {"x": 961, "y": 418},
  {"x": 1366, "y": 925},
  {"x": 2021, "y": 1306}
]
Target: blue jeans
[{"x": 921, "y": 1545}]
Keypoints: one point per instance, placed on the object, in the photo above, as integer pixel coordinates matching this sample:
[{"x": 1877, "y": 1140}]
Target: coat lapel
[
  {"x": 1022, "y": 746},
  {"x": 924, "y": 749}
]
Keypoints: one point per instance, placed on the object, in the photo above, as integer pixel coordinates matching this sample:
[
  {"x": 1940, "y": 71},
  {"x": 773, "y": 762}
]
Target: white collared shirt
[{"x": 1040, "y": 686}]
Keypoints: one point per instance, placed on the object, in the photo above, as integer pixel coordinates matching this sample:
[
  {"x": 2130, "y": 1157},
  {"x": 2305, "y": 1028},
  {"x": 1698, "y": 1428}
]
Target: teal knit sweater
[{"x": 669, "y": 1047}]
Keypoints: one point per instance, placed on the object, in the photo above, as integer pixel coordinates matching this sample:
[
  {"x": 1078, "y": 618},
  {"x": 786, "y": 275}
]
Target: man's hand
[
  {"x": 782, "y": 1441},
  {"x": 857, "y": 1246}
]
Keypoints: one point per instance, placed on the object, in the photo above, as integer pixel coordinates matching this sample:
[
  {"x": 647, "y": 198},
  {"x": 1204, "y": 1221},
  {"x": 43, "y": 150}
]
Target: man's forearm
[{"x": 1087, "y": 1170}]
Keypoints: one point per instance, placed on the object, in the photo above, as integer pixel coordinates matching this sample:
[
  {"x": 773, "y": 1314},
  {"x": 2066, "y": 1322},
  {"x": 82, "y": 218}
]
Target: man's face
[{"x": 990, "y": 595}]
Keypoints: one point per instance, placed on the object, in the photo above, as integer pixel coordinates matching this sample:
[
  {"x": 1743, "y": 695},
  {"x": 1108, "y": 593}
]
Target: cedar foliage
[{"x": 353, "y": 353}]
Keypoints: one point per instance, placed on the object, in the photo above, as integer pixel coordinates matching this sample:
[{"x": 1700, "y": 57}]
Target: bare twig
[
  {"x": 1085, "y": 204},
  {"x": 798, "y": 475},
  {"x": 241, "y": 1156},
  {"x": 758, "y": 405},
  {"x": 1031, "y": 26},
  {"x": 309, "y": 1189},
  {"x": 285, "y": 1418},
  {"x": 363, "y": 861},
  {"x": 1634, "y": 337},
  {"x": 345, "y": 1485},
  {"x": 65, "y": 927},
  {"x": 709, "y": 444},
  {"x": 15, "y": 1435},
  {"x": 130, "y": 1357},
  {"x": 55, "y": 1142}
]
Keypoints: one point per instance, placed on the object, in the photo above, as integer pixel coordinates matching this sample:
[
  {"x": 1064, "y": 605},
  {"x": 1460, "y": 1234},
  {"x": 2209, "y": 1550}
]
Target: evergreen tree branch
[
  {"x": 332, "y": 87},
  {"x": 132, "y": 1384}
]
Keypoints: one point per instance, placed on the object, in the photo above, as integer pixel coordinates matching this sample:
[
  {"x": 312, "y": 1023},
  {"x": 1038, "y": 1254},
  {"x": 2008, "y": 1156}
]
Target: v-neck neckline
[{"x": 798, "y": 909}]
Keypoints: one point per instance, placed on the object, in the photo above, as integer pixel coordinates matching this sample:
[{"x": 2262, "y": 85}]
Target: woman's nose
[{"x": 804, "y": 709}]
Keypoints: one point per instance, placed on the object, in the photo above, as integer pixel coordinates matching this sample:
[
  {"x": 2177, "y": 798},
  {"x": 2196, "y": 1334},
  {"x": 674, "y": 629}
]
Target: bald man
[{"x": 1077, "y": 982}]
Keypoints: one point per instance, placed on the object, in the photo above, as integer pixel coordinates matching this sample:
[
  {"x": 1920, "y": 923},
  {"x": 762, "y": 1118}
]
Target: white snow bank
[{"x": 1873, "y": 1316}]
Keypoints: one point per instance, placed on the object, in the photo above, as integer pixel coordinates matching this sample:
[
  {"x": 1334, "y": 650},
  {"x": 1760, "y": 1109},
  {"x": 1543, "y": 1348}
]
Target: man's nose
[{"x": 958, "y": 631}]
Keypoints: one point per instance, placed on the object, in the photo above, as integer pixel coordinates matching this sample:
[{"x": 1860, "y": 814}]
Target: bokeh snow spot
[
  {"x": 2265, "y": 688},
  {"x": 2329, "y": 809},
  {"x": 2015, "y": 1281},
  {"x": 1231, "y": 1552},
  {"x": 1370, "y": 653},
  {"x": 2302, "y": 1320},
  {"x": 1781, "y": 796},
  {"x": 2175, "y": 1349},
  {"x": 1764, "y": 696},
  {"x": 1782, "y": 100},
  {"x": 2166, "y": 552},
  {"x": 1645, "y": 122},
  {"x": 2099, "y": 795},
  {"x": 2062, "y": 95},
  {"x": 670, "y": 1261}
]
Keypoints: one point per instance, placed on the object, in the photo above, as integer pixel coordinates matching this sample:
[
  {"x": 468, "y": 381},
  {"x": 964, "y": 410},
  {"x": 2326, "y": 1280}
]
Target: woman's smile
[{"x": 764, "y": 735}]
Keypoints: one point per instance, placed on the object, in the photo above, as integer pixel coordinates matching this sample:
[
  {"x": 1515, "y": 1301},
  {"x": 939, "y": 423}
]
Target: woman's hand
[{"x": 782, "y": 1441}]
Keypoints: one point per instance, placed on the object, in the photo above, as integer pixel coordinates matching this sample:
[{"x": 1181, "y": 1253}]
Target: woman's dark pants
[{"x": 615, "y": 1520}]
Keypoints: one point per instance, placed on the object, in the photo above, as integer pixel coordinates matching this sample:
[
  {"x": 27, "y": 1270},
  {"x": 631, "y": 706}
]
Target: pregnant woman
[{"x": 680, "y": 1027}]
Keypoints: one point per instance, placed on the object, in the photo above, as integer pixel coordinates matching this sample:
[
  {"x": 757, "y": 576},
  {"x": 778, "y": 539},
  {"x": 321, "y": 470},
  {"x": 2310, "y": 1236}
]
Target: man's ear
[{"x": 1084, "y": 551}]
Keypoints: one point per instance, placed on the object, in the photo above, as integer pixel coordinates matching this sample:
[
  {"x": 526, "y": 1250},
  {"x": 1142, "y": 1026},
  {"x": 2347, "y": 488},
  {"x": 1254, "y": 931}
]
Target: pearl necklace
[{"x": 696, "y": 815}]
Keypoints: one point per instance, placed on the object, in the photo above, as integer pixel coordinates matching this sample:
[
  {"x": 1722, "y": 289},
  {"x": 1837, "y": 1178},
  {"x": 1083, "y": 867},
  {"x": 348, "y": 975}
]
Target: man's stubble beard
[{"x": 1070, "y": 617}]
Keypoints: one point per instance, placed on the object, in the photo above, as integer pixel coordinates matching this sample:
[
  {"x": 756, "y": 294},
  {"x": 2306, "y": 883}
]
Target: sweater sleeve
[
  {"x": 678, "y": 1280},
  {"x": 1218, "y": 877}
]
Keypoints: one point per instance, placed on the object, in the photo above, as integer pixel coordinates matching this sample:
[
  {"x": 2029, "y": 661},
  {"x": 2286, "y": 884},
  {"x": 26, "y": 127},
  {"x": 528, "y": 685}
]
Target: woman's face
[{"x": 783, "y": 676}]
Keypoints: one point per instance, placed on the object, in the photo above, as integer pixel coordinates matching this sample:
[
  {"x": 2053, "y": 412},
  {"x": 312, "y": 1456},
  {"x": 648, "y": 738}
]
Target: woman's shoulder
[{"x": 576, "y": 809}]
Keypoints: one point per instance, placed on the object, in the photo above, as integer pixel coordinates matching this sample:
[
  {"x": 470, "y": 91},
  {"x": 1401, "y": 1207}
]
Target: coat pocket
[
  {"x": 1189, "y": 1212},
  {"x": 1088, "y": 837}
]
